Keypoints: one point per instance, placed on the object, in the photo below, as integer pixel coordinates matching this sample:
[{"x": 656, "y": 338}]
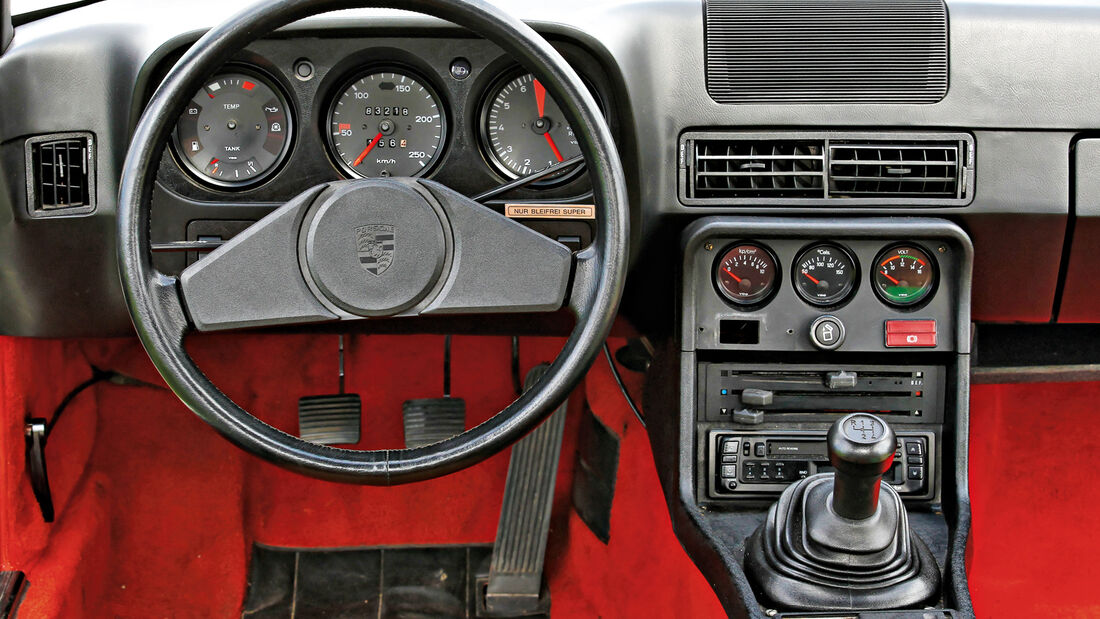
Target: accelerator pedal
[
  {"x": 514, "y": 586},
  {"x": 431, "y": 420},
  {"x": 331, "y": 419}
]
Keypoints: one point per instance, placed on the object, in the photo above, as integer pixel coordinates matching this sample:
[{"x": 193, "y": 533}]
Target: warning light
[{"x": 248, "y": 85}]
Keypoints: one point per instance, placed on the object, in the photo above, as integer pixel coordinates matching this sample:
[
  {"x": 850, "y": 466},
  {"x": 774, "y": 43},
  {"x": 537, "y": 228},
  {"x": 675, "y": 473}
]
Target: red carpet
[
  {"x": 157, "y": 512},
  {"x": 1035, "y": 496}
]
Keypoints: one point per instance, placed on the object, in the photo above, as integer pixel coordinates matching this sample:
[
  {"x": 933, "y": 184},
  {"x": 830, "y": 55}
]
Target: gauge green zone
[
  {"x": 904, "y": 275},
  {"x": 825, "y": 274}
]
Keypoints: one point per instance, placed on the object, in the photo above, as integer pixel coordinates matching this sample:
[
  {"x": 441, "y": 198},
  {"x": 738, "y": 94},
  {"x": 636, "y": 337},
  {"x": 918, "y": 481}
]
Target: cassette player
[{"x": 744, "y": 464}]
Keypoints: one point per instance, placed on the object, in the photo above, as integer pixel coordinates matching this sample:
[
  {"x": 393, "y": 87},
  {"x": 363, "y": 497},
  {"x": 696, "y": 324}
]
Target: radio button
[
  {"x": 766, "y": 472},
  {"x": 760, "y": 450},
  {"x": 916, "y": 473},
  {"x": 914, "y": 448},
  {"x": 731, "y": 446},
  {"x": 915, "y": 459},
  {"x": 729, "y": 470},
  {"x": 729, "y": 459}
]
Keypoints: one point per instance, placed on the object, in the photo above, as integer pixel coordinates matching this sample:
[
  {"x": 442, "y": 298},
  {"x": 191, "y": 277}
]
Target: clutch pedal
[
  {"x": 431, "y": 420},
  {"x": 331, "y": 419}
]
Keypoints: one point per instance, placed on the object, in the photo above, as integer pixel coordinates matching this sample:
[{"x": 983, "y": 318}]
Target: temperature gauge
[
  {"x": 825, "y": 274},
  {"x": 904, "y": 275},
  {"x": 747, "y": 274}
]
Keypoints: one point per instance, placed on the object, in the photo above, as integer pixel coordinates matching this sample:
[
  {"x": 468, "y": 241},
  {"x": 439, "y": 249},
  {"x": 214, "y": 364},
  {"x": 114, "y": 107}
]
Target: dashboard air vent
[
  {"x": 759, "y": 168},
  {"x": 826, "y": 168},
  {"x": 60, "y": 174},
  {"x": 922, "y": 170},
  {"x": 826, "y": 51}
]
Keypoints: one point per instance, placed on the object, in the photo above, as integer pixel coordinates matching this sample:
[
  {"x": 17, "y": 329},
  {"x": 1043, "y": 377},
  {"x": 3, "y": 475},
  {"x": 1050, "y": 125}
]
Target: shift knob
[{"x": 861, "y": 447}]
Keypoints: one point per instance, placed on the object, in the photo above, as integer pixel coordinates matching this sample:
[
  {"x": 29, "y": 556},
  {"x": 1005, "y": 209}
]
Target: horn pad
[{"x": 374, "y": 247}]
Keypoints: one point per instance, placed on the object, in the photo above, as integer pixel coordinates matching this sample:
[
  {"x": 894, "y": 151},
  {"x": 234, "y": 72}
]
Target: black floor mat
[{"x": 394, "y": 583}]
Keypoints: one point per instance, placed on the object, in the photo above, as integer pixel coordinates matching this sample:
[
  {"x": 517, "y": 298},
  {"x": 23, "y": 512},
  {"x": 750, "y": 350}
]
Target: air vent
[
  {"x": 826, "y": 51},
  {"x": 826, "y": 168},
  {"x": 759, "y": 168},
  {"x": 60, "y": 174},
  {"x": 920, "y": 170}
]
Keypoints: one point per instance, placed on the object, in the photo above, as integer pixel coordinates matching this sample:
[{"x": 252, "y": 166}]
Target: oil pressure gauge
[
  {"x": 825, "y": 274},
  {"x": 747, "y": 274}
]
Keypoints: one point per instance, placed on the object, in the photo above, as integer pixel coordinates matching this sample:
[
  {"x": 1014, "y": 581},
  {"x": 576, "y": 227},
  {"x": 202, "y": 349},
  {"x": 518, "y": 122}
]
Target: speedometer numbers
[
  {"x": 235, "y": 131},
  {"x": 387, "y": 123},
  {"x": 524, "y": 130}
]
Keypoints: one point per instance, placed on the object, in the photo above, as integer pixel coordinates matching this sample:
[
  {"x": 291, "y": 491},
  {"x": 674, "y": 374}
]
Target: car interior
[{"x": 502, "y": 308}]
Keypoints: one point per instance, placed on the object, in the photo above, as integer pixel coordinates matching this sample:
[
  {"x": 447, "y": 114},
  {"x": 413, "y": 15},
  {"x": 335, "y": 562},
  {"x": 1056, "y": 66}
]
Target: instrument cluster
[{"x": 376, "y": 113}]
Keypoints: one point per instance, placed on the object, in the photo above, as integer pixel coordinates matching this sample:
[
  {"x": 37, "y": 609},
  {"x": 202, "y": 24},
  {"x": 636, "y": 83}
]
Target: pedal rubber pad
[
  {"x": 432, "y": 420},
  {"x": 330, "y": 419}
]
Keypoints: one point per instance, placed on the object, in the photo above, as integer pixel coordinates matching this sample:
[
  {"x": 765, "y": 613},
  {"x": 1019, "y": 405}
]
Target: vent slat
[
  {"x": 923, "y": 169},
  {"x": 831, "y": 51}
]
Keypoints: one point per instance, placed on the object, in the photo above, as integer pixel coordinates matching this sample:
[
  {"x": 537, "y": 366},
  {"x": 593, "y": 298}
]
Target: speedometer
[{"x": 386, "y": 123}]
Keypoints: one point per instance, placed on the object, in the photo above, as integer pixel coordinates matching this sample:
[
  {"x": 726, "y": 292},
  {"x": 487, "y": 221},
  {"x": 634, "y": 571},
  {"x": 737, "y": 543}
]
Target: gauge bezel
[
  {"x": 359, "y": 73},
  {"x": 853, "y": 284},
  {"x": 737, "y": 302},
  {"x": 928, "y": 295},
  {"x": 276, "y": 86},
  {"x": 483, "y": 139}
]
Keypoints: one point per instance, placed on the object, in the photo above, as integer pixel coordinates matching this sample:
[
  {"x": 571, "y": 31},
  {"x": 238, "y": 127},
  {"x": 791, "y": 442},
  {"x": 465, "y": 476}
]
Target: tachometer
[
  {"x": 387, "y": 123},
  {"x": 524, "y": 130},
  {"x": 235, "y": 131},
  {"x": 904, "y": 275}
]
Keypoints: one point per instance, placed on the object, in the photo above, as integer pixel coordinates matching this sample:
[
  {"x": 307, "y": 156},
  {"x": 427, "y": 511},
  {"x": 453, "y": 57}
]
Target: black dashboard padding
[{"x": 155, "y": 305}]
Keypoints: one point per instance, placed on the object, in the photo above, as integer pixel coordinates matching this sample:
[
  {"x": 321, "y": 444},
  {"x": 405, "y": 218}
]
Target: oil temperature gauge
[
  {"x": 904, "y": 275},
  {"x": 825, "y": 274},
  {"x": 747, "y": 274}
]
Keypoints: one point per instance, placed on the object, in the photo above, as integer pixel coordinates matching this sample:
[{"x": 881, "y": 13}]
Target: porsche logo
[{"x": 375, "y": 244}]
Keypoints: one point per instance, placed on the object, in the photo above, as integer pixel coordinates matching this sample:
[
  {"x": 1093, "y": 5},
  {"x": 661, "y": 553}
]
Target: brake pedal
[
  {"x": 331, "y": 419},
  {"x": 431, "y": 420}
]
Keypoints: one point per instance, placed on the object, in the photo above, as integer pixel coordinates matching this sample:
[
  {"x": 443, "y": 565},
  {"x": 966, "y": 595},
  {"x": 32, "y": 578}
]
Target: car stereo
[{"x": 763, "y": 463}]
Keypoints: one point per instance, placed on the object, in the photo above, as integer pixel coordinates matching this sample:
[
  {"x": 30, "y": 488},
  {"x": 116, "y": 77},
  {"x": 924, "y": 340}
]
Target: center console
[{"x": 788, "y": 326}]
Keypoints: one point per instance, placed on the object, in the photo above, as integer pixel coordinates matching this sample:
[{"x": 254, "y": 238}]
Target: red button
[
  {"x": 910, "y": 333},
  {"x": 911, "y": 340},
  {"x": 910, "y": 326}
]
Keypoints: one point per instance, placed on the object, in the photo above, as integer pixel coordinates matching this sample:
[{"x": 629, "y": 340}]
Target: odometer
[
  {"x": 904, "y": 275},
  {"x": 235, "y": 131},
  {"x": 825, "y": 274},
  {"x": 387, "y": 123},
  {"x": 746, "y": 274}
]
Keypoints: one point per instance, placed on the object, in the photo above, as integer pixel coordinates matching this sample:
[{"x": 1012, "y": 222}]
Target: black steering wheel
[{"x": 320, "y": 257}]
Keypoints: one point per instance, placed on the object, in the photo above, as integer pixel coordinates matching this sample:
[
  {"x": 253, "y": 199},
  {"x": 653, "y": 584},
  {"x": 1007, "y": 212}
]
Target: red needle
[
  {"x": 363, "y": 155},
  {"x": 812, "y": 278},
  {"x": 553, "y": 147},
  {"x": 891, "y": 278},
  {"x": 540, "y": 98},
  {"x": 731, "y": 274}
]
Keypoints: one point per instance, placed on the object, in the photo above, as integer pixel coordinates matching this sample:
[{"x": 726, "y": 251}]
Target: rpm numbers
[{"x": 386, "y": 123}]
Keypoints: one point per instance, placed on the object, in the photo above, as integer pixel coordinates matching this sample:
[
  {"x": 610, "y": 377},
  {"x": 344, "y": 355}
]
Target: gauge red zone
[
  {"x": 904, "y": 275},
  {"x": 746, "y": 273}
]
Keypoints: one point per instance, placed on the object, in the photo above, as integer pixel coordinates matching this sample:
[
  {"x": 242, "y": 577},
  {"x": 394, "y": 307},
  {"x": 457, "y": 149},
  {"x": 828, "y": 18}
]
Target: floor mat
[
  {"x": 1035, "y": 500},
  {"x": 388, "y": 582}
]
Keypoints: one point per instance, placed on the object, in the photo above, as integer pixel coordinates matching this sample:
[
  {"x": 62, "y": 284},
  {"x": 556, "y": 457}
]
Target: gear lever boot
[{"x": 842, "y": 541}]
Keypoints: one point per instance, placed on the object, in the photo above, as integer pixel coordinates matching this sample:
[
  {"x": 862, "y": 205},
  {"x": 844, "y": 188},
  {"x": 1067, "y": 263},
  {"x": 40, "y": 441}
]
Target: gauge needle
[
  {"x": 553, "y": 147},
  {"x": 363, "y": 155},
  {"x": 891, "y": 278},
  {"x": 730, "y": 273},
  {"x": 812, "y": 278},
  {"x": 540, "y": 98}
]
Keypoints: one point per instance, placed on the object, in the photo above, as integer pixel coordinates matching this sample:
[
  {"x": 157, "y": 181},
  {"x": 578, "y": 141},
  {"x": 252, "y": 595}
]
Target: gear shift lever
[
  {"x": 842, "y": 541},
  {"x": 861, "y": 447}
]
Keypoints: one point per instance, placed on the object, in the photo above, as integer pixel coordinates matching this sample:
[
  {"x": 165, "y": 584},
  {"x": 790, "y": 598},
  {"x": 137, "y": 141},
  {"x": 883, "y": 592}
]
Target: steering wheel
[{"x": 355, "y": 249}]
